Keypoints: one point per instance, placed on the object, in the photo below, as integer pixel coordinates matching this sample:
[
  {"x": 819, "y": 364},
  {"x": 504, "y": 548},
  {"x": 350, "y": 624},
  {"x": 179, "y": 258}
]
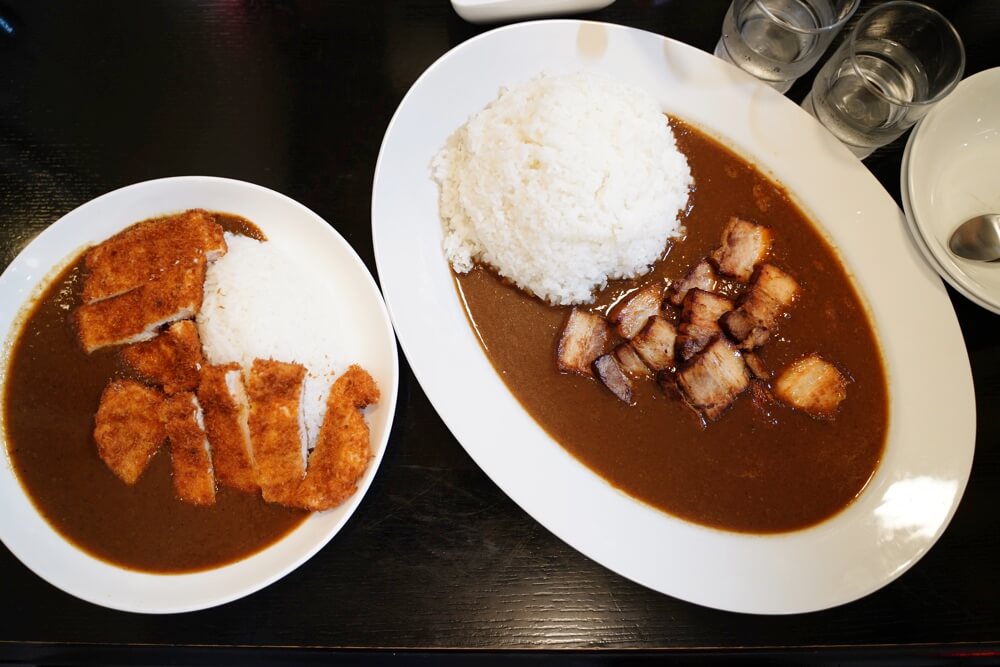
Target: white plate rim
[
  {"x": 37, "y": 544},
  {"x": 727, "y": 571}
]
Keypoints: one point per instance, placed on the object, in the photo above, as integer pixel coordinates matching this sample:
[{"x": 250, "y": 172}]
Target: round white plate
[
  {"x": 952, "y": 176},
  {"x": 369, "y": 341},
  {"x": 928, "y": 456}
]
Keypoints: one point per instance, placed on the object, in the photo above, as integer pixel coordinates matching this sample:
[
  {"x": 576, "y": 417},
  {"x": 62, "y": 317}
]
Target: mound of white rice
[
  {"x": 261, "y": 303},
  {"x": 561, "y": 184}
]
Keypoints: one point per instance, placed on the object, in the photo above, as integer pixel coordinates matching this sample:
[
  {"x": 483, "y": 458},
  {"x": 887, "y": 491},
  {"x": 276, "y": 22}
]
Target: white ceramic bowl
[
  {"x": 321, "y": 250},
  {"x": 951, "y": 175}
]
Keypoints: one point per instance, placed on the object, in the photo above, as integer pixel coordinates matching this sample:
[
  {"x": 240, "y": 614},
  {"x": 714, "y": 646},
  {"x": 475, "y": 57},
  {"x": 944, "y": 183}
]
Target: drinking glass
[
  {"x": 901, "y": 58},
  {"x": 778, "y": 41}
]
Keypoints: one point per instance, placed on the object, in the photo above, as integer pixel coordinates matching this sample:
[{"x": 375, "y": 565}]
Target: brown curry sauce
[
  {"x": 754, "y": 470},
  {"x": 52, "y": 391}
]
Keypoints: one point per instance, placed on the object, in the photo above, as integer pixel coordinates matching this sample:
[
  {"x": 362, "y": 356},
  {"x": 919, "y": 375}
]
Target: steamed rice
[
  {"x": 561, "y": 184},
  {"x": 261, "y": 303}
]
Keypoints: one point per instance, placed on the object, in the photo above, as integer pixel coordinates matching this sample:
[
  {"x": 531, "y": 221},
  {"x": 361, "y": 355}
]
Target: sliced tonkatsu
[
  {"x": 190, "y": 455},
  {"x": 127, "y": 429},
  {"x": 276, "y": 431},
  {"x": 342, "y": 452},
  {"x": 137, "y": 315},
  {"x": 226, "y": 411},
  {"x": 144, "y": 251},
  {"x": 172, "y": 360}
]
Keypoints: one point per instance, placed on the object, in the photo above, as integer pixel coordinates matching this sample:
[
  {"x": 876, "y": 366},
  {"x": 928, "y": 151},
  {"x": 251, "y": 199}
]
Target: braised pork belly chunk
[
  {"x": 744, "y": 245},
  {"x": 655, "y": 343},
  {"x": 630, "y": 314},
  {"x": 770, "y": 295},
  {"x": 731, "y": 304},
  {"x": 584, "y": 338},
  {"x": 813, "y": 385},
  {"x": 712, "y": 380},
  {"x": 611, "y": 374},
  {"x": 702, "y": 277},
  {"x": 700, "y": 320}
]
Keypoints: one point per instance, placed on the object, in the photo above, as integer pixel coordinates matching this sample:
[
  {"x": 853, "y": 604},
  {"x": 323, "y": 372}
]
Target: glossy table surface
[{"x": 295, "y": 95}]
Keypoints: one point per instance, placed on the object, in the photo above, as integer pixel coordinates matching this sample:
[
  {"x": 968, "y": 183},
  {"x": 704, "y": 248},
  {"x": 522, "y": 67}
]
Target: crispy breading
[
  {"x": 656, "y": 342},
  {"x": 136, "y": 315},
  {"x": 744, "y": 246},
  {"x": 342, "y": 451},
  {"x": 127, "y": 429},
  {"x": 701, "y": 276},
  {"x": 146, "y": 250},
  {"x": 584, "y": 338},
  {"x": 812, "y": 385},
  {"x": 632, "y": 312},
  {"x": 172, "y": 360},
  {"x": 226, "y": 412},
  {"x": 713, "y": 379},
  {"x": 190, "y": 457},
  {"x": 611, "y": 375},
  {"x": 275, "y": 392},
  {"x": 770, "y": 295},
  {"x": 700, "y": 321}
]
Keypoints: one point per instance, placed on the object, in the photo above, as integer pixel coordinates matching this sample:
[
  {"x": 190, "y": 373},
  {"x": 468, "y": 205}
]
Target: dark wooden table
[{"x": 295, "y": 95}]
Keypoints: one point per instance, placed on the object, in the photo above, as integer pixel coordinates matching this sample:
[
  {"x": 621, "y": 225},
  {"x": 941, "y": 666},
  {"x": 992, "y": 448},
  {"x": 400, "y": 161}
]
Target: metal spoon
[{"x": 977, "y": 238}]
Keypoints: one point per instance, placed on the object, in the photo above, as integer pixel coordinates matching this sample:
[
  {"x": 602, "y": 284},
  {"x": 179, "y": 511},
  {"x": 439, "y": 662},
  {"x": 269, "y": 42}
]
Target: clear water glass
[
  {"x": 900, "y": 59},
  {"x": 778, "y": 41}
]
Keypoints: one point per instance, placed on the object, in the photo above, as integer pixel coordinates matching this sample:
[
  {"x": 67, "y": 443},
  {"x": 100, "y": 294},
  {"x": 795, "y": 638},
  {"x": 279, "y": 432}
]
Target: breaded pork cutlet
[
  {"x": 172, "y": 360},
  {"x": 342, "y": 452},
  {"x": 276, "y": 432},
  {"x": 128, "y": 430},
  {"x": 136, "y": 315},
  {"x": 190, "y": 458},
  {"x": 145, "y": 251},
  {"x": 226, "y": 411}
]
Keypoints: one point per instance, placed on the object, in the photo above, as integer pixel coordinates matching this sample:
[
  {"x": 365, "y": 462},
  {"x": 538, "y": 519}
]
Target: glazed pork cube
[
  {"x": 712, "y": 380},
  {"x": 631, "y": 313},
  {"x": 144, "y": 251},
  {"x": 770, "y": 295},
  {"x": 190, "y": 456},
  {"x": 127, "y": 429},
  {"x": 744, "y": 246},
  {"x": 631, "y": 362},
  {"x": 342, "y": 451},
  {"x": 137, "y": 315},
  {"x": 812, "y": 385},
  {"x": 702, "y": 277},
  {"x": 613, "y": 377},
  {"x": 226, "y": 411},
  {"x": 172, "y": 360},
  {"x": 584, "y": 338},
  {"x": 655, "y": 343},
  {"x": 756, "y": 366},
  {"x": 277, "y": 434},
  {"x": 700, "y": 321}
]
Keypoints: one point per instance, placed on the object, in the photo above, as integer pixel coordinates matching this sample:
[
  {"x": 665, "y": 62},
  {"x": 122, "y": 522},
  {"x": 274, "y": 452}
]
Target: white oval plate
[
  {"x": 928, "y": 456},
  {"x": 951, "y": 176},
  {"x": 368, "y": 341}
]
